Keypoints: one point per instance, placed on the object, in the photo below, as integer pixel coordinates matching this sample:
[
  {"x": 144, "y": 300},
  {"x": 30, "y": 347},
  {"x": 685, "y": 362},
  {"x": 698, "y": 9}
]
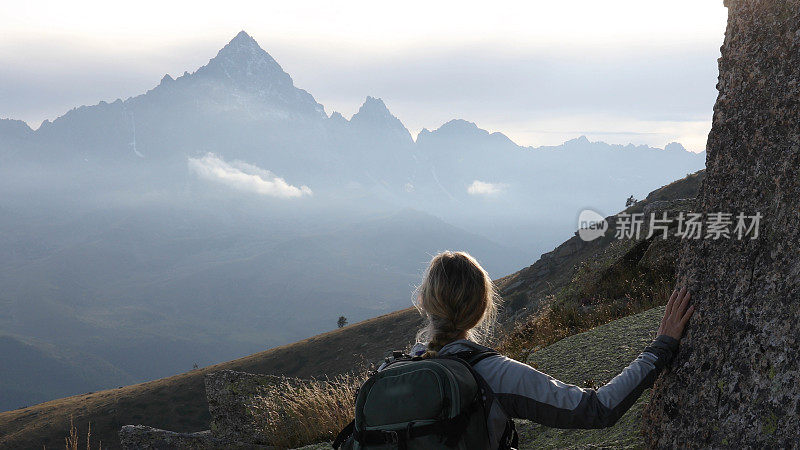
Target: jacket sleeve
[{"x": 526, "y": 393}]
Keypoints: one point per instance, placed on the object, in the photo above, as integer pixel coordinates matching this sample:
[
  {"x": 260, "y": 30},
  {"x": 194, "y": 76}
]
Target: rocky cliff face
[{"x": 736, "y": 379}]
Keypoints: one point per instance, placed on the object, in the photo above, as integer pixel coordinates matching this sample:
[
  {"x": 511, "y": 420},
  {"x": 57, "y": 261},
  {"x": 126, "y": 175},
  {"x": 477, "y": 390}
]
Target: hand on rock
[{"x": 676, "y": 315}]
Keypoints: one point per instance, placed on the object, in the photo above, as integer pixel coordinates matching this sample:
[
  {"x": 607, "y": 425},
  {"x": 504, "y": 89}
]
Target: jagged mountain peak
[
  {"x": 374, "y": 110},
  {"x": 242, "y": 42},
  {"x": 243, "y": 60},
  {"x": 244, "y": 47},
  {"x": 462, "y": 132},
  {"x": 675, "y": 147},
  {"x": 453, "y": 129},
  {"x": 459, "y": 123},
  {"x": 242, "y": 38},
  {"x": 375, "y": 116},
  {"x": 373, "y": 106},
  {"x": 577, "y": 141},
  {"x": 14, "y": 127},
  {"x": 256, "y": 81},
  {"x": 460, "y": 126},
  {"x": 337, "y": 117}
]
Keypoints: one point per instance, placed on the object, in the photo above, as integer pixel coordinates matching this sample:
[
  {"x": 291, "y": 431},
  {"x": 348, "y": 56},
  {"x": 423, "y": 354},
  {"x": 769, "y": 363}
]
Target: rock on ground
[
  {"x": 736, "y": 379},
  {"x": 140, "y": 437}
]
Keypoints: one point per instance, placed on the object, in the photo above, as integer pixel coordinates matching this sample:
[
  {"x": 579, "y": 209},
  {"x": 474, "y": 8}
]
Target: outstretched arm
[{"x": 526, "y": 393}]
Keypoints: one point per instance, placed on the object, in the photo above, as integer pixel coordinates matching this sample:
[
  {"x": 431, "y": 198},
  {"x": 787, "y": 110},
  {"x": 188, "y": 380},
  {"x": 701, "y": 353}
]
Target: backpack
[{"x": 424, "y": 403}]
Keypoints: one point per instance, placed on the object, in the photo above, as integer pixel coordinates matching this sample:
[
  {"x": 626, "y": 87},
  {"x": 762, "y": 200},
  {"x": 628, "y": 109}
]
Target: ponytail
[{"x": 458, "y": 299}]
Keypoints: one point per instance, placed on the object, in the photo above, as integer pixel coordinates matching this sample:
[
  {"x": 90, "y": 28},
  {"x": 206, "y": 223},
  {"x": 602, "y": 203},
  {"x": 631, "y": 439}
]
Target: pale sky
[{"x": 540, "y": 72}]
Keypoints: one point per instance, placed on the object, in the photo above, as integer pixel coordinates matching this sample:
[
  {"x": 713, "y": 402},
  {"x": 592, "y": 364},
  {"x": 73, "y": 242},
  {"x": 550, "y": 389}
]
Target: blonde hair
[{"x": 457, "y": 298}]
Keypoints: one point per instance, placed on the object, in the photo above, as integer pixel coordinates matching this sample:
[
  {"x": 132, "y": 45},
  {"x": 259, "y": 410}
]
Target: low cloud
[
  {"x": 485, "y": 188},
  {"x": 245, "y": 177}
]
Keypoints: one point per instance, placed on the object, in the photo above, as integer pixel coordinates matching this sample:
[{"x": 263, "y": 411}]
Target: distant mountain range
[
  {"x": 243, "y": 106},
  {"x": 224, "y": 211}
]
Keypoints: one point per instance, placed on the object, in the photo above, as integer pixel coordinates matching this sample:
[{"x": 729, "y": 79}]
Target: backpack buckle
[{"x": 389, "y": 437}]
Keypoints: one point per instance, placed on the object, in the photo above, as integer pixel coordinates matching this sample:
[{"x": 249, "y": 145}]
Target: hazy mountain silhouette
[{"x": 243, "y": 106}]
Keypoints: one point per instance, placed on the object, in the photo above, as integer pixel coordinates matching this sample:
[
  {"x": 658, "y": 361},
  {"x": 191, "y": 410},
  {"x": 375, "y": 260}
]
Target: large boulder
[
  {"x": 736, "y": 379},
  {"x": 235, "y": 401}
]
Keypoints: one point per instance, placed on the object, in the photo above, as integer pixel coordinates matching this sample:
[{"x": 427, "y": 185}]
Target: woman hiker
[{"x": 459, "y": 301}]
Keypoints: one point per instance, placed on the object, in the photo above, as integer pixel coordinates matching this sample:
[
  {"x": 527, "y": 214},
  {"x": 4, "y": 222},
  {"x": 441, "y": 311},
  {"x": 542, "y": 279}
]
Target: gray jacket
[{"x": 525, "y": 393}]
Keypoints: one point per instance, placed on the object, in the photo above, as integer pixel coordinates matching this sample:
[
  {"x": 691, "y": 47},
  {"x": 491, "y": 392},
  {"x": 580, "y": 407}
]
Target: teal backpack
[{"x": 423, "y": 403}]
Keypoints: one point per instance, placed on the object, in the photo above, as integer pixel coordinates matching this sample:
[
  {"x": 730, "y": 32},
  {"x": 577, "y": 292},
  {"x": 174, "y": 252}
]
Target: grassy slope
[
  {"x": 178, "y": 402},
  {"x": 595, "y": 356}
]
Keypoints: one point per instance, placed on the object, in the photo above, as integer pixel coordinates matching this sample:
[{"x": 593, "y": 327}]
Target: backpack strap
[
  {"x": 344, "y": 434},
  {"x": 510, "y": 438},
  {"x": 470, "y": 358},
  {"x": 479, "y": 355}
]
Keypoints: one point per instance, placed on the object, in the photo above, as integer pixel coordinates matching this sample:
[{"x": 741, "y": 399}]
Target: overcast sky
[{"x": 539, "y": 71}]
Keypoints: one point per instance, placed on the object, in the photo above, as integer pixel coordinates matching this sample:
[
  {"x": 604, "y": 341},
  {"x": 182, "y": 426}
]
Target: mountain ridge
[{"x": 243, "y": 56}]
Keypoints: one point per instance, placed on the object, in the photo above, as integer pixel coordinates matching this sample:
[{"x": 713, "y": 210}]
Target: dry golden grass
[
  {"x": 558, "y": 320},
  {"x": 301, "y": 414},
  {"x": 605, "y": 286},
  {"x": 72, "y": 441}
]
